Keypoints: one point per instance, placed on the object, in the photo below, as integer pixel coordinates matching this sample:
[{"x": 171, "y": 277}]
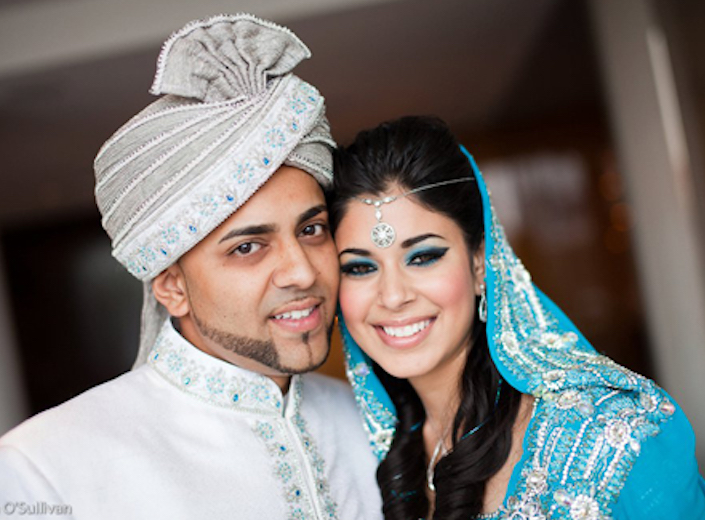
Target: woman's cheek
[
  {"x": 353, "y": 305},
  {"x": 454, "y": 290},
  {"x": 450, "y": 289}
]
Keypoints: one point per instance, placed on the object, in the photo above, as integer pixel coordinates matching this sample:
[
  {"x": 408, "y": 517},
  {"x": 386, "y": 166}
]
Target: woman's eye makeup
[
  {"x": 358, "y": 268},
  {"x": 425, "y": 256},
  {"x": 421, "y": 257}
]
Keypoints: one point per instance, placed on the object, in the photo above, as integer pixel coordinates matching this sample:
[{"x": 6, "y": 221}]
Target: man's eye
[
  {"x": 314, "y": 230},
  {"x": 246, "y": 249}
]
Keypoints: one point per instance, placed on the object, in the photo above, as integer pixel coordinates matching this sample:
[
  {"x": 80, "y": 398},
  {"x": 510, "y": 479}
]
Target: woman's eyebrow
[
  {"x": 415, "y": 240},
  {"x": 353, "y": 251}
]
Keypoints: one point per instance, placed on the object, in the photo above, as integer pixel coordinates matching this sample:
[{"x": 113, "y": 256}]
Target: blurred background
[{"x": 586, "y": 116}]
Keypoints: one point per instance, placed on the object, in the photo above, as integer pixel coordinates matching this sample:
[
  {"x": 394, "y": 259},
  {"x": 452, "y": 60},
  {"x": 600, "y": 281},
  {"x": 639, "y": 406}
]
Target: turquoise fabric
[
  {"x": 665, "y": 482},
  {"x": 603, "y": 442}
]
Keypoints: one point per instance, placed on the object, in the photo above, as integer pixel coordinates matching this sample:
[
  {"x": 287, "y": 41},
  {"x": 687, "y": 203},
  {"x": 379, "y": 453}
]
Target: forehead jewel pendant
[{"x": 382, "y": 234}]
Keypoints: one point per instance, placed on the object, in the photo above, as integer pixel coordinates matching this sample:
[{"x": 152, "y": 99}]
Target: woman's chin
[{"x": 402, "y": 370}]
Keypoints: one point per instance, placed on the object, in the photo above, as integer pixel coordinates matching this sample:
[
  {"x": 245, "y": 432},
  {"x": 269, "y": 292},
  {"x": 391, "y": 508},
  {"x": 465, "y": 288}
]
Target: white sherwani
[{"x": 188, "y": 436}]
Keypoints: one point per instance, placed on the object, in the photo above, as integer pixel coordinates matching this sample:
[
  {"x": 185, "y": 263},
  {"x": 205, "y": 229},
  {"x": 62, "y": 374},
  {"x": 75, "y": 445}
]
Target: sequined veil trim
[
  {"x": 580, "y": 448},
  {"x": 592, "y": 414},
  {"x": 591, "y": 417},
  {"x": 378, "y": 412}
]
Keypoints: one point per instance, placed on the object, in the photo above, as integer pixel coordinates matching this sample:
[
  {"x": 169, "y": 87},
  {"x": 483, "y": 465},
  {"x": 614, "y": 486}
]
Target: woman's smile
[
  {"x": 405, "y": 334},
  {"x": 411, "y": 305}
]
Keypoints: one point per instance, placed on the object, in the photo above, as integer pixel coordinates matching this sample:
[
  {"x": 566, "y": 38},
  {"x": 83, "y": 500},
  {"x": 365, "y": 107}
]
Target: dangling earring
[{"x": 482, "y": 307}]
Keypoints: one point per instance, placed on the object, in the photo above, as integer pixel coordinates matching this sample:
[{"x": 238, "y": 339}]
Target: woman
[{"x": 481, "y": 398}]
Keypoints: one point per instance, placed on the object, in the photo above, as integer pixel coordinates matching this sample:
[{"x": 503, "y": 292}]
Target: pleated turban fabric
[{"x": 230, "y": 114}]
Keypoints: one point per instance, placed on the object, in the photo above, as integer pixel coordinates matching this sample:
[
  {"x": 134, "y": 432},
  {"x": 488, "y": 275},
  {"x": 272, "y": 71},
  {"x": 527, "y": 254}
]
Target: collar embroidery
[
  {"x": 295, "y": 459},
  {"x": 215, "y": 381}
]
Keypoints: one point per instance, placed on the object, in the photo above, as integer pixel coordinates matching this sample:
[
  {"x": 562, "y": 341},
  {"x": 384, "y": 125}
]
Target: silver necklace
[
  {"x": 431, "y": 468},
  {"x": 383, "y": 234}
]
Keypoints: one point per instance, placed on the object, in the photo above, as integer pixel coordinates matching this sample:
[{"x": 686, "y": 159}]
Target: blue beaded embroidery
[
  {"x": 177, "y": 366},
  {"x": 277, "y": 440}
]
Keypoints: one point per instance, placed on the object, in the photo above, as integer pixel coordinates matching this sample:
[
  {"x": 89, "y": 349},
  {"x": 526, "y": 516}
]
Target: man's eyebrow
[
  {"x": 310, "y": 213},
  {"x": 261, "y": 229},
  {"x": 415, "y": 240},
  {"x": 353, "y": 251}
]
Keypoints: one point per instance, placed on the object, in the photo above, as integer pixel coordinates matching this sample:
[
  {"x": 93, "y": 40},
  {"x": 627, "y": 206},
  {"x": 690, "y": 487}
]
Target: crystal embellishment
[
  {"x": 383, "y": 235},
  {"x": 584, "y": 508}
]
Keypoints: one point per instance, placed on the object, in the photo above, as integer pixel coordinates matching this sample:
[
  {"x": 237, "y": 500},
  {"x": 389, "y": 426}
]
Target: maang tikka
[{"x": 383, "y": 234}]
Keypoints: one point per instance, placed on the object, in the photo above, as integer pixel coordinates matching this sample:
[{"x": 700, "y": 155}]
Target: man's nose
[{"x": 294, "y": 268}]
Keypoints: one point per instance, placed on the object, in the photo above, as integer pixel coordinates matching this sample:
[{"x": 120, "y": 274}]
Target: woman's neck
[{"x": 439, "y": 392}]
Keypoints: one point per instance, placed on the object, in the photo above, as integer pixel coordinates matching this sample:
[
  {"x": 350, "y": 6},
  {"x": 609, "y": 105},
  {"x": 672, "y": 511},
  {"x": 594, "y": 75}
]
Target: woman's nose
[{"x": 394, "y": 290}]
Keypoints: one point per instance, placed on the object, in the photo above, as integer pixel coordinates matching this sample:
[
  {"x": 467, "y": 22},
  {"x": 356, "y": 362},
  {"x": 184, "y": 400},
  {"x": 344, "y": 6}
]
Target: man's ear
[
  {"x": 478, "y": 268},
  {"x": 169, "y": 288}
]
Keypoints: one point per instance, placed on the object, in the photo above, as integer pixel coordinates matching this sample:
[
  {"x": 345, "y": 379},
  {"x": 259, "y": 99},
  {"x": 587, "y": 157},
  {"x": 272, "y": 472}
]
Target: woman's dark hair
[{"x": 412, "y": 152}]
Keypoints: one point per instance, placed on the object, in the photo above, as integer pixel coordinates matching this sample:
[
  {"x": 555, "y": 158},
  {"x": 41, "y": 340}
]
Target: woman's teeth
[
  {"x": 408, "y": 330},
  {"x": 295, "y": 315}
]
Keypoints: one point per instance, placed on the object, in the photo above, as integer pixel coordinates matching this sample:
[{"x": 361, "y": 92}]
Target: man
[{"x": 211, "y": 197}]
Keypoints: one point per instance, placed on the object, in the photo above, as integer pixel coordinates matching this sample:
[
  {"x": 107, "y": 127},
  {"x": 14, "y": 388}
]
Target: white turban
[{"x": 231, "y": 114}]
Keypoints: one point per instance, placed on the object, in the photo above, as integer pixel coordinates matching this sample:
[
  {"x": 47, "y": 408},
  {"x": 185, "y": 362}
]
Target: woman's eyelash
[
  {"x": 420, "y": 258},
  {"x": 426, "y": 257},
  {"x": 358, "y": 268}
]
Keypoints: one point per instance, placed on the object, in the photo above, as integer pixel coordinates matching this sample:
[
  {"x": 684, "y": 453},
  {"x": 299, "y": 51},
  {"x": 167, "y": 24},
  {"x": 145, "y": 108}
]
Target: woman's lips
[{"x": 405, "y": 335}]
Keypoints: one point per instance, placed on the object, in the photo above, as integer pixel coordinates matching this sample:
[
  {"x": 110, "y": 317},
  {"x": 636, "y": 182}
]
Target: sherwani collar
[{"x": 217, "y": 382}]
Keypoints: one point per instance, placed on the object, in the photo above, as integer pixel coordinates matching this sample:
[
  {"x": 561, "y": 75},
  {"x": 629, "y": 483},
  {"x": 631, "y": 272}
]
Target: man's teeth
[
  {"x": 295, "y": 315},
  {"x": 408, "y": 330}
]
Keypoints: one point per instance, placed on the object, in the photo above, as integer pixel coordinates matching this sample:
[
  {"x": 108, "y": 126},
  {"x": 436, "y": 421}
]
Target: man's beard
[{"x": 264, "y": 352}]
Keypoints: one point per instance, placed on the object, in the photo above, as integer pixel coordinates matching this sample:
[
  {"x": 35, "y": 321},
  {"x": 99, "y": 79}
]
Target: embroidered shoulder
[{"x": 582, "y": 445}]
